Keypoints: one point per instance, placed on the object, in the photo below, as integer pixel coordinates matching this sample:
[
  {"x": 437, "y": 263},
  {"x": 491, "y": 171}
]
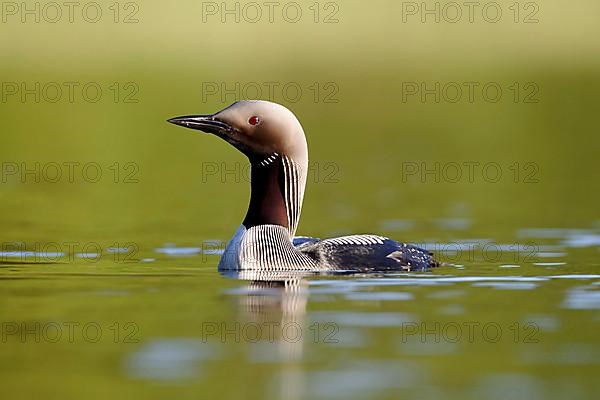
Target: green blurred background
[
  {"x": 171, "y": 55},
  {"x": 363, "y": 131}
]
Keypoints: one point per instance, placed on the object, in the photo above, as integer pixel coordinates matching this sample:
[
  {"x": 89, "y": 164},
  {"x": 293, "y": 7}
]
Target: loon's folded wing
[{"x": 368, "y": 253}]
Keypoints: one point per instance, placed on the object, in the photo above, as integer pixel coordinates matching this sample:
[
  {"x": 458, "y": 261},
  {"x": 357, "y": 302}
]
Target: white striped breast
[{"x": 265, "y": 248}]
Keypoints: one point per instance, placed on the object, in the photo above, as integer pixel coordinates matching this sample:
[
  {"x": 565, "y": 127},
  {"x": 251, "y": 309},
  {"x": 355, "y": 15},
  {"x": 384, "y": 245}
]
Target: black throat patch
[{"x": 267, "y": 202}]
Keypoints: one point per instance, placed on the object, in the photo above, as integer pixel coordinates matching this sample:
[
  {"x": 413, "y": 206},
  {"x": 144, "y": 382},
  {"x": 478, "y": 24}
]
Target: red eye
[{"x": 254, "y": 120}]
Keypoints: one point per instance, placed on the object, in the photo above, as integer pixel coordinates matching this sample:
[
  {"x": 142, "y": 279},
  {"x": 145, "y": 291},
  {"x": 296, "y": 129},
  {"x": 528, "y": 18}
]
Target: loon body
[{"x": 274, "y": 142}]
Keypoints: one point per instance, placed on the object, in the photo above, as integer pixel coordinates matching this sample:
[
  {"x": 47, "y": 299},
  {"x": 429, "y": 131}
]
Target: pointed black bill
[{"x": 204, "y": 123}]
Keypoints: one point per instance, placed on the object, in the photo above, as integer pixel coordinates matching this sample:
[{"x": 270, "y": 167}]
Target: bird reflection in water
[{"x": 275, "y": 302}]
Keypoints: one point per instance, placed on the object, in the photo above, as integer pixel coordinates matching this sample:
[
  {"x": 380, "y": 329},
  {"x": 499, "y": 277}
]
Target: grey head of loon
[{"x": 272, "y": 138}]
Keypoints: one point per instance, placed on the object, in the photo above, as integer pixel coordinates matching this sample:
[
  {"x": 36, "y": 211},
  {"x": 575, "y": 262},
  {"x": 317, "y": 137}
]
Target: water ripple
[
  {"x": 582, "y": 298},
  {"x": 168, "y": 359},
  {"x": 368, "y": 319}
]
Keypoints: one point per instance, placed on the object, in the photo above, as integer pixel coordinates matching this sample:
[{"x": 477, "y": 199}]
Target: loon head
[
  {"x": 272, "y": 138},
  {"x": 259, "y": 129}
]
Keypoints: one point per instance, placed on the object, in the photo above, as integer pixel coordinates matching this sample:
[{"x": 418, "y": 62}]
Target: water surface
[{"x": 164, "y": 322}]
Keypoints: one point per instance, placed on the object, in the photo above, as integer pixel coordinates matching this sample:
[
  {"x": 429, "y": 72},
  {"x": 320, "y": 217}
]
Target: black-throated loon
[{"x": 272, "y": 138}]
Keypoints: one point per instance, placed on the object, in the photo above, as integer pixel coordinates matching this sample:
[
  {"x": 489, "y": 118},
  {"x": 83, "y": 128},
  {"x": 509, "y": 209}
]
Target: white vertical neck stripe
[{"x": 294, "y": 181}]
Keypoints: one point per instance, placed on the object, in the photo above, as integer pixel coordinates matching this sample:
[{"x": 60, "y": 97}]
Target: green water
[
  {"x": 174, "y": 327},
  {"x": 112, "y": 220}
]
